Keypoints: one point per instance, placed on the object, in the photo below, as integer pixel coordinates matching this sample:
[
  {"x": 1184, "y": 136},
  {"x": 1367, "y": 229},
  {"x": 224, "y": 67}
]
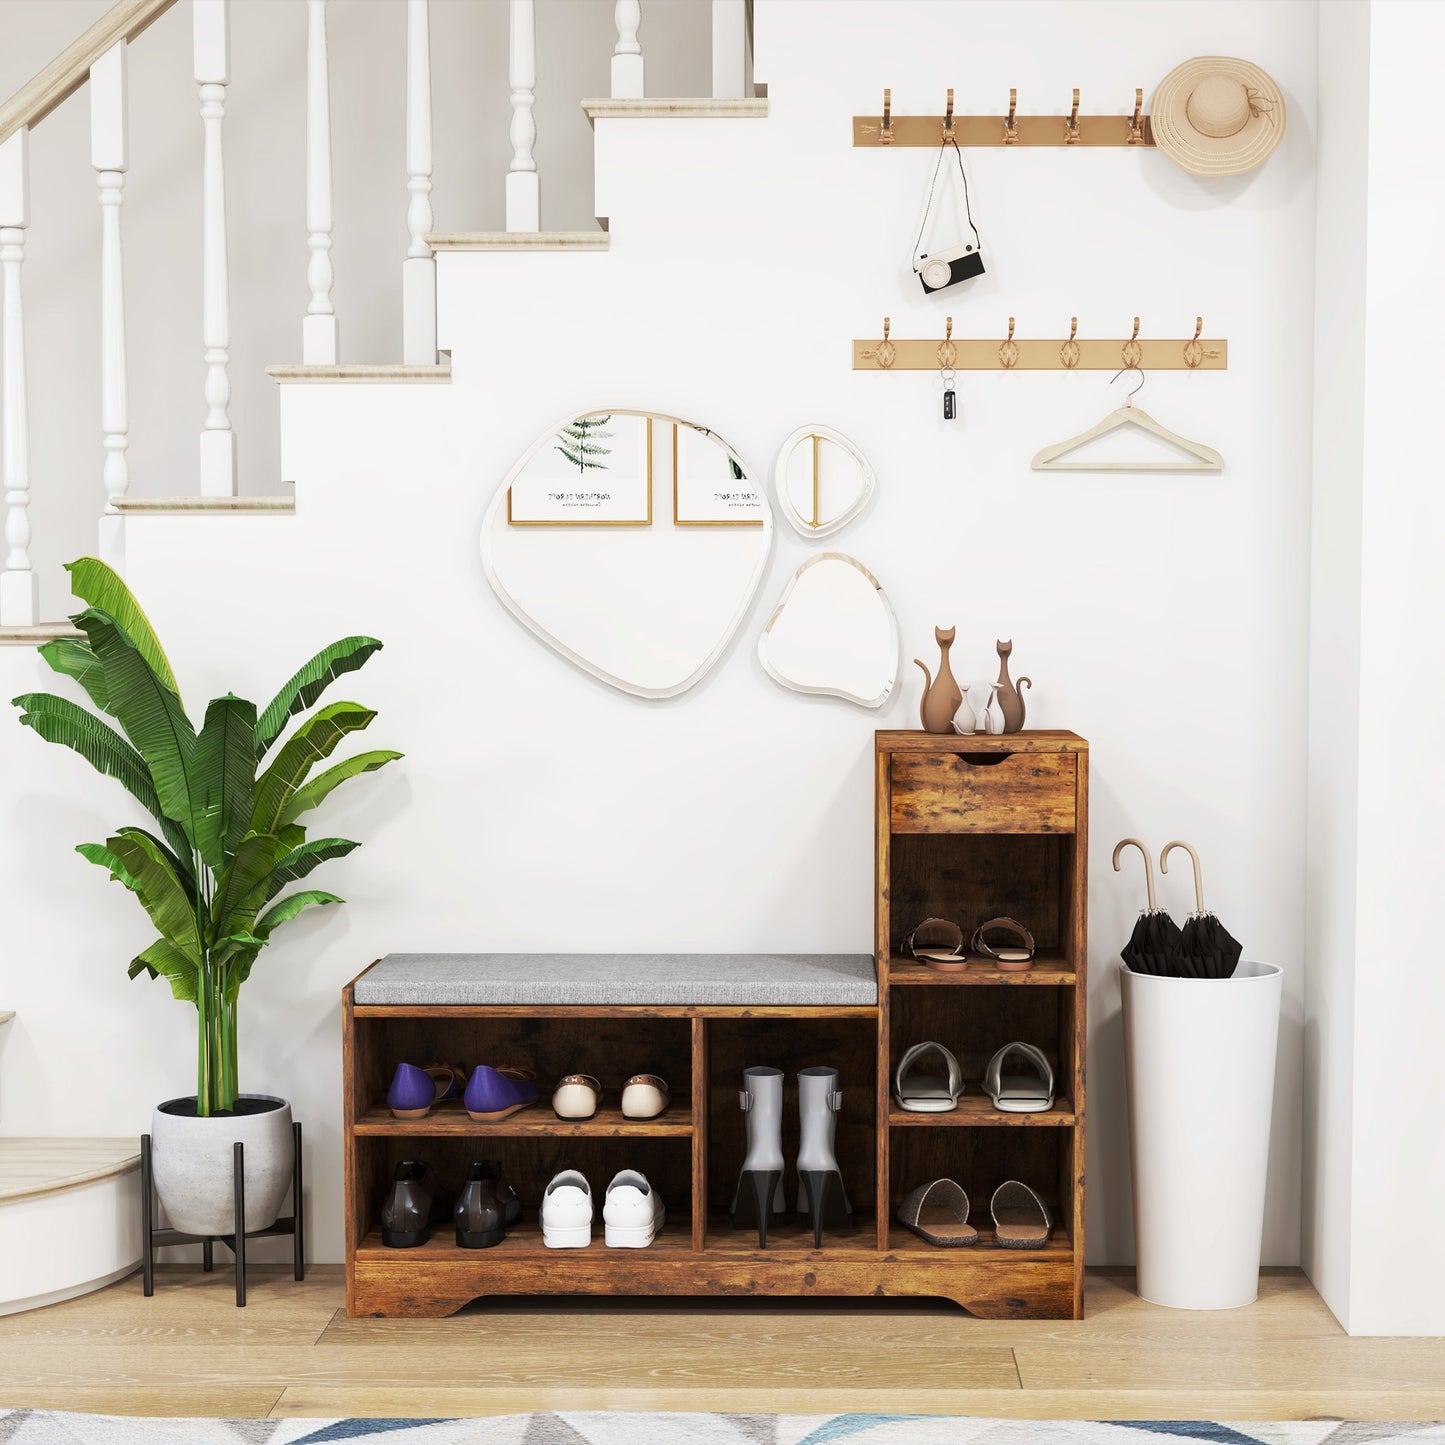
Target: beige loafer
[
  {"x": 576, "y": 1097},
  {"x": 645, "y": 1096}
]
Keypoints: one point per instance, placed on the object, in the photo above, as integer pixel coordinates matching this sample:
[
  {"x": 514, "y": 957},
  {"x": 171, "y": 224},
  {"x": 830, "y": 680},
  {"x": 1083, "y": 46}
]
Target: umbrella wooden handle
[
  {"x": 1148, "y": 865},
  {"x": 1198, "y": 876}
]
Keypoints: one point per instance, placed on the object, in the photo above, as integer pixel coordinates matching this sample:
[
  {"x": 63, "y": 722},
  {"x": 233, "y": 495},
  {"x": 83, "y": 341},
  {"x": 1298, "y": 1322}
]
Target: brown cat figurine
[
  {"x": 941, "y": 695},
  {"x": 1010, "y": 699}
]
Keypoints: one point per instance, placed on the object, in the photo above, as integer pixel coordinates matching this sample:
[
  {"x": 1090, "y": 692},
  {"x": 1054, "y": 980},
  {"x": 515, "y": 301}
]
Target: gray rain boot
[
  {"x": 760, "y": 1186},
  {"x": 820, "y": 1186}
]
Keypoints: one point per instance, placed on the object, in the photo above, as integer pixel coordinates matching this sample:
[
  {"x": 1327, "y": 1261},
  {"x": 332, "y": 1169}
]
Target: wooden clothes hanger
[{"x": 1051, "y": 459}]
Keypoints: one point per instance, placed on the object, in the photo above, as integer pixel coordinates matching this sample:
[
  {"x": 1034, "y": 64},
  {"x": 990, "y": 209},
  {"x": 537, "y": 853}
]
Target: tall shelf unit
[{"x": 968, "y": 828}]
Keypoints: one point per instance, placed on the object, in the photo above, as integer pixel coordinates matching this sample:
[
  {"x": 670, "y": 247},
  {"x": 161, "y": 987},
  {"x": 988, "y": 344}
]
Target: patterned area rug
[{"x": 46, "y": 1427}]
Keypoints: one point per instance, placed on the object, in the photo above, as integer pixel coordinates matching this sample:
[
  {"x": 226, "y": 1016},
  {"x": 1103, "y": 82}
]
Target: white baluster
[
  {"x": 523, "y": 198},
  {"x": 318, "y": 330},
  {"x": 212, "y": 55},
  {"x": 627, "y": 80},
  {"x": 419, "y": 270},
  {"x": 729, "y": 47},
  {"x": 19, "y": 588},
  {"x": 109, "y": 146}
]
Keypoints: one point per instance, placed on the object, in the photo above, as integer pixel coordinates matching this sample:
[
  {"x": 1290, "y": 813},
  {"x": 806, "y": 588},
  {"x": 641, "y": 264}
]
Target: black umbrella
[
  {"x": 1156, "y": 945},
  {"x": 1209, "y": 950}
]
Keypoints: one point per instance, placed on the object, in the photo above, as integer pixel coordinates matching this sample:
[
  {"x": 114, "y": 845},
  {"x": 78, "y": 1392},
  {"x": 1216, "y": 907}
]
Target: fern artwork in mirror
[
  {"x": 632, "y": 544},
  {"x": 226, "y": 803}
]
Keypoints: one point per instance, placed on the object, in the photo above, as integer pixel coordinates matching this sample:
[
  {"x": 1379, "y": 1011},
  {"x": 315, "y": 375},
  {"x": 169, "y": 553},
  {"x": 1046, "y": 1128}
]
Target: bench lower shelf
[{"x": 438, "y": 1279}]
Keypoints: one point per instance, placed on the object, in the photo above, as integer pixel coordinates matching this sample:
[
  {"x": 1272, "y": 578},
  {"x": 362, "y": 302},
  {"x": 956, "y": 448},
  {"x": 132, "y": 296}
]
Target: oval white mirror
[
  {"x": 631, "y": 543},
  {"x": 822, "y": 480},
  {"x": 833, "y": 632}
]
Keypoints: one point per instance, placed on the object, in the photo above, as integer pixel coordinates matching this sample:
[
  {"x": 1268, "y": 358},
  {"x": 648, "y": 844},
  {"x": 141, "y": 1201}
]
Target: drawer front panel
[{"x": 959, "y": 793}]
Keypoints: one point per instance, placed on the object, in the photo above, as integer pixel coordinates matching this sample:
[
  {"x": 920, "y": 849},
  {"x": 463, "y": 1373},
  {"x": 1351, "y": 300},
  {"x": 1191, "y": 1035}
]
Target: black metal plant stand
[{"x": 294, "y": 1224}]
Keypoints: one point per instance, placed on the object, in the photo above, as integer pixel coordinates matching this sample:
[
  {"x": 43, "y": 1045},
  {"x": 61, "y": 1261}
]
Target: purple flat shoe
[
  {"x": 415, "y": 1092},
  {"x": 493, "y": 1094}
]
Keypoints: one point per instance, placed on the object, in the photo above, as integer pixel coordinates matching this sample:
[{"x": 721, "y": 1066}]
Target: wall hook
[
  {"x": 1069, "y": 351},
  {"x": 886, "y": 350},
  {"x": 1073, "y": 126},
  {"x": 1010, "y": 126},
  {"x": 947, "y": 351},
  {"x": 886, "y": 133},
  {"x": 1132, "y": 353},
  {"x": 1008, "y": 353},
  {"x": 1136, "y": 126},
  {"x": 1194, "y": 350},
  {"x": 948, "y": 117}
]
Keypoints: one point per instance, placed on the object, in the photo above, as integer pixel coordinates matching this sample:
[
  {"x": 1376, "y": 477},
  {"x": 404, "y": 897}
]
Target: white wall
[
  {"x": 265, "y": 168},
  {"x": 1377, "y": 1000},
  {"x": 1162, "y": 617}
]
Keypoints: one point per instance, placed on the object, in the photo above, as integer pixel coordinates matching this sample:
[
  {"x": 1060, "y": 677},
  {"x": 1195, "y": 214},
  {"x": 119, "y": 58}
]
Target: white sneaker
[
  {"x": 632, "y": 1213},
  {"x": 567, "y": 1212}
]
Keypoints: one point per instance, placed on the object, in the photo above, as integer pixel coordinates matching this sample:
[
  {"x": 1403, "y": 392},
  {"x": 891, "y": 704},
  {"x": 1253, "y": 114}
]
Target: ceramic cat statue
[
  {"x": 1010, "y": 699},
  {"x": 941, "y": 695}
]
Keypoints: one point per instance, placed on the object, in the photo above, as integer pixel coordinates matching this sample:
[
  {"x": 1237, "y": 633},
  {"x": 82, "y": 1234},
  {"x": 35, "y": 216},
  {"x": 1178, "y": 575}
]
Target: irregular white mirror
[
  {"x": 833, "y": 632},
  {"x": 630, "y": 542},
  {"x": 823, "y": 481}
]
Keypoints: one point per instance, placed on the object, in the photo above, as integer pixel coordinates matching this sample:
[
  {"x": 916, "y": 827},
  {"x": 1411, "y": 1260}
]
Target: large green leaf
[
  {"x": 71, "y": 657},
  {"x": 225, "y": 774},
  {"x": 58, "y": 720},
  {"x": 96, "y": 584},
  {"x": 293, "y": 866},
  {"x": 242, "y": 887},
  {"x": 315, "y": 792},
  {"x": 145, "y": 871},
  {"x": 289, "y": 907},
  {"x": 181, "y": 863},
  {"x": 309, "y": 683},
  {"x": 151, "y": 715},
  {"x": 315, "y": 739},
  {"x": 164, "y": 959}
]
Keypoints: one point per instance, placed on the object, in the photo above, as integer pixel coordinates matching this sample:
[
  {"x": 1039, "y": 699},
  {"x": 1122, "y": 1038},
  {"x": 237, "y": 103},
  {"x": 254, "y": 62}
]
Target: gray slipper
[
  {"x": 938, "y": 1212},
  {"x": 1021, "y": 1220}
]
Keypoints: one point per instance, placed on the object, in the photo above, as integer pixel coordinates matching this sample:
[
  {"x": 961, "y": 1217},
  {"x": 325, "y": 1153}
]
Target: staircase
[{"x": 98, "y": 62}]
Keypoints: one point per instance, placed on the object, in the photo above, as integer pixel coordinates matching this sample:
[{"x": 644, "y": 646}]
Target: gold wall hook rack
[
  {"x": 1074, "y": 353},
  {"x": 1011, "y": 129}
]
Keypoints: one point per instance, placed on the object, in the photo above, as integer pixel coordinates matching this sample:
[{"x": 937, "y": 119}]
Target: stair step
[
  {"x": 34, "y": 636},
  {"x": 753, "y": 107},
  {"x": 29, "y": 1167},
  {"x": 355, "y": 373},
  {"x": 517, "y": 240},
  {"x": 219, "y": 506}
]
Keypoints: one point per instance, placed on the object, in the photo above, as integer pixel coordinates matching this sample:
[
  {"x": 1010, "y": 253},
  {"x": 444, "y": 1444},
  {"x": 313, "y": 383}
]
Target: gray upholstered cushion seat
[{"x": 620, "y": 978}]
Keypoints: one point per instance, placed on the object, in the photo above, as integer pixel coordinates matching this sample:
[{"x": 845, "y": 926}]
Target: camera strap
[{"x": 963, "y": 176}]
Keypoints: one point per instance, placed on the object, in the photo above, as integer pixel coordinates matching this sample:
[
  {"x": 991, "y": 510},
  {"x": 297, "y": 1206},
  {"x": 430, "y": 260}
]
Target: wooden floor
[{"x": 292, "y": 1351}]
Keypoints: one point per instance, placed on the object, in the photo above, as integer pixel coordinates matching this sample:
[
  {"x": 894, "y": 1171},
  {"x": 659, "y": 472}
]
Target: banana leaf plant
[{"x": 226, "y": 802}]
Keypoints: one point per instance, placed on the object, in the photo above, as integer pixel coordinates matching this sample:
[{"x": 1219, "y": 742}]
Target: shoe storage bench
[{"x": 967, "y": 829}]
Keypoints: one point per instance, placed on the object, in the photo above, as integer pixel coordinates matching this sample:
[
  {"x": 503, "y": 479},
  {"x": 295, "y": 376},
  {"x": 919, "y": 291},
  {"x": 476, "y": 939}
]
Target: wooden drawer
[{"x": 984, "y": 792}]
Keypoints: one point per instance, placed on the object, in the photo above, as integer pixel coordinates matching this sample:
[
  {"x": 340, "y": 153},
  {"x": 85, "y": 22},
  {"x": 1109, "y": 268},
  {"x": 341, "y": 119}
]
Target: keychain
[{"x": 947, "y": 355}]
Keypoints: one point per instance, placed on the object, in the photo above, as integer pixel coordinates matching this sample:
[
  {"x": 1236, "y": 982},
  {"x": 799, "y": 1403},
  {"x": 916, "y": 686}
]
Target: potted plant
[{"x": 227, "y": 800}]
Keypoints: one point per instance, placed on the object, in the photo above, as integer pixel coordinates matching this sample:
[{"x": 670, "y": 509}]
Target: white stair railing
[
  {"x": 212, "y": 56},
  {"x": 729, "y": 48},
  {"x": 523, "y": 196},
  {"x": 627, "y": 72},
  {"x": 419, "y": 270},
  {"x": 318, "y": 330},
  {"x": 109, "y": 146},
  {"x": 19, "y": 587}
]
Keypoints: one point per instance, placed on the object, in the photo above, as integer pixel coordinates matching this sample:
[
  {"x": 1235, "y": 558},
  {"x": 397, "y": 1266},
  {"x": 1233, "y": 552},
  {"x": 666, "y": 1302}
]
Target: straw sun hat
[{"x": 1217, "y": 117}]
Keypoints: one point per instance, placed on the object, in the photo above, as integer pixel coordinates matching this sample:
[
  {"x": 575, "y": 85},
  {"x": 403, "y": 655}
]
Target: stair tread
[
  {"x": 220, "y": 505},
  {"x": 518, "y": 240},
  {"x": 30, "y": 1167},
  {"x": 751, "y": 107},
  {"x": 349, "y": 371},
  {"x": 34, "y": 635}
]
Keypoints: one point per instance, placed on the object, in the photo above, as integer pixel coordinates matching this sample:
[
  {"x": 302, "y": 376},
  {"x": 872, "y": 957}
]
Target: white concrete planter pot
[
  {"x": 1199, "y": 1057},
  {"x": 192, "y": 1162}
]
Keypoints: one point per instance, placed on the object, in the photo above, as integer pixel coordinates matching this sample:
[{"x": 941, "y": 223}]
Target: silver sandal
[
  {"x": 927, "y": 1093},
  {"x": 946, "y": 959},
  {"x": 1009, "y": 960}
]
